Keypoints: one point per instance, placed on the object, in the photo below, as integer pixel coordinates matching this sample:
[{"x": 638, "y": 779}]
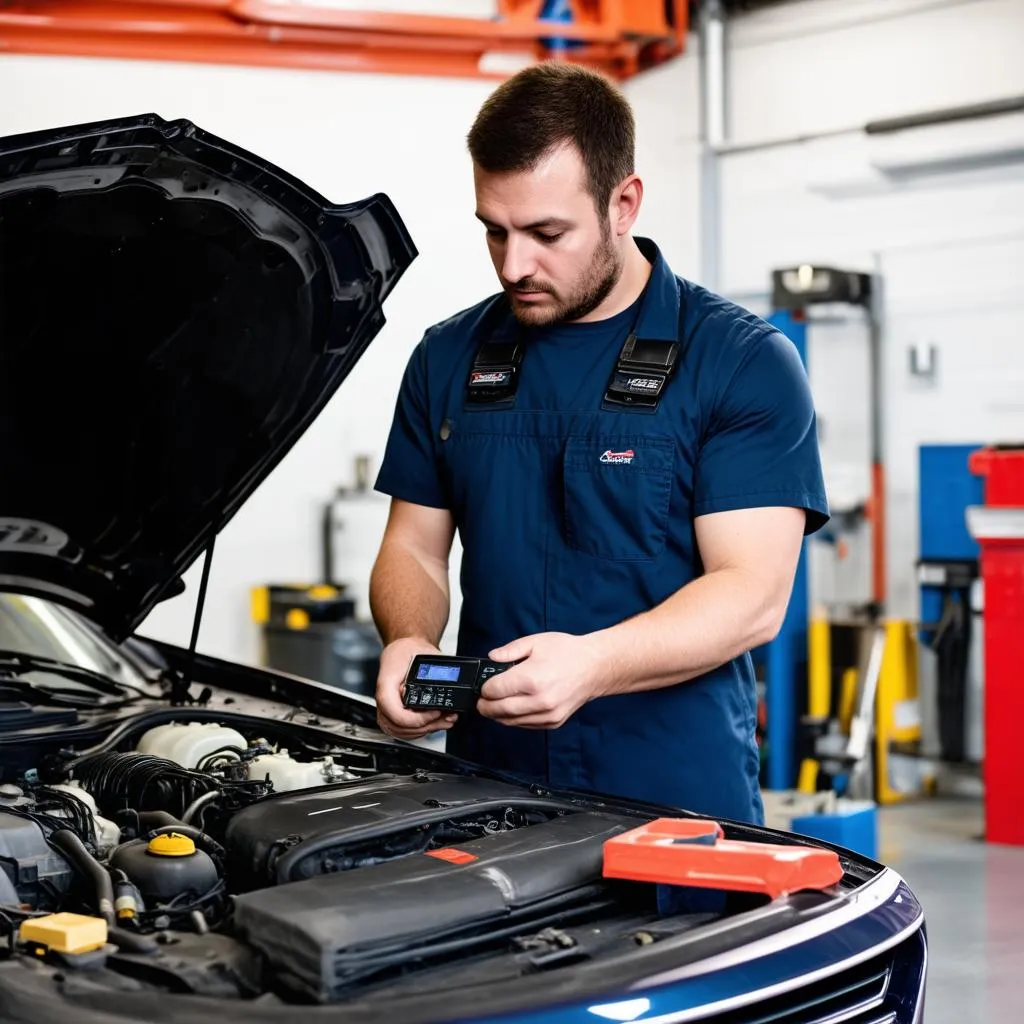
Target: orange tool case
[{"x": 675, "y": 851}]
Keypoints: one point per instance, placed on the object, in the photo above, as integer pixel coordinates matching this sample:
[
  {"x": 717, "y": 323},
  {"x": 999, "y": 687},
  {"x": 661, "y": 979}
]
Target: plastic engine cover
[
  {"x": 324, "y": 934},
  {"x": 260, "y": 834}
]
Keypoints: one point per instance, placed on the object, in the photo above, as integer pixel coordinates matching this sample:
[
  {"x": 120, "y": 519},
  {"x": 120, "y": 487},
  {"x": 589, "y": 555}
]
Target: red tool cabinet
[{"x": 998, "y": 526}]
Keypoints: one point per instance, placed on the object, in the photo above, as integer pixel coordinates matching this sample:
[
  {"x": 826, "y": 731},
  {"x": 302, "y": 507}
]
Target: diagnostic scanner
[{"x": 448, "y": 682}]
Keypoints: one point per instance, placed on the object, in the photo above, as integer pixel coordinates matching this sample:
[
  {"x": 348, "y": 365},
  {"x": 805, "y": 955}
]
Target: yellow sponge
[{"x": 65, "y": 933}]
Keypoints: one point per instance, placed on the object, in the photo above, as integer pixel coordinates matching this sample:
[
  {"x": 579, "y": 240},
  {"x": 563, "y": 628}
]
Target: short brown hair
[{"x": 550, "y": 104}]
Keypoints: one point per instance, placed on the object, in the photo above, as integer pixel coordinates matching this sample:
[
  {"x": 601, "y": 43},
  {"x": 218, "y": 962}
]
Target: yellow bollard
[{"x": 819, "y": 688}]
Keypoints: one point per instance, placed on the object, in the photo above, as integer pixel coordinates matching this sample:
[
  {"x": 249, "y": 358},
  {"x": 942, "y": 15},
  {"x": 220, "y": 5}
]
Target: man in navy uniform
[{"x": 631, "y": 462}]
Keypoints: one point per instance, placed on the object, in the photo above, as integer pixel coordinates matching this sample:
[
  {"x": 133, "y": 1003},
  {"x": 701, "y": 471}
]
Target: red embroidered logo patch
[{"x": 625, "y": 457}]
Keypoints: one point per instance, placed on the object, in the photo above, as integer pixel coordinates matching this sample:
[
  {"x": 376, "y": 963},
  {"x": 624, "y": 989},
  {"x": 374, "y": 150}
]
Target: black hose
[
  {"x": 75, "y": 850},
  {"x": 156, "y": 819},
  {"x": 198, "y": 836},
  {"x": 129, "y": 942},
  {"x": 119, "y": 781}
]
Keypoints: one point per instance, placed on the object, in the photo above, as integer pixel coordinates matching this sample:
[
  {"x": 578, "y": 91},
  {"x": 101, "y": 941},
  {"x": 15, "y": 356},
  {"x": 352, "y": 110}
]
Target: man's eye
[
  {"x": 495, "y": 233},
  {"x": 548, "y": 239}
]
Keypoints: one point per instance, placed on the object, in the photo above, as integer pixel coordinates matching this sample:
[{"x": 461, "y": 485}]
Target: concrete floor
[{"x": 973, "y": 898}]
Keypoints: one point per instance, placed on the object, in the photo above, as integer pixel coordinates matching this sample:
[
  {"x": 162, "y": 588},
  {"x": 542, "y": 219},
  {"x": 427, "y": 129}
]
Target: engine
[
  {"x": 209, "y": 856},
  {"x": 137, "y": 824}
]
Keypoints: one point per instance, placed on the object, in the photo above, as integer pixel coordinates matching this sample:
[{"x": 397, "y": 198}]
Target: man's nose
[{"x": 519, "y": 262}]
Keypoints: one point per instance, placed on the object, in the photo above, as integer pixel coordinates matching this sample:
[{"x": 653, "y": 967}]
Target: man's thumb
[{"x": 515, "y": 651}]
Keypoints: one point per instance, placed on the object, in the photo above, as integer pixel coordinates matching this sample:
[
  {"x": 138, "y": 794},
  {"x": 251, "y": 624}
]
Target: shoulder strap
[
  {"x": 643, "y": 370},
  {"x": 494, "y": 374}
]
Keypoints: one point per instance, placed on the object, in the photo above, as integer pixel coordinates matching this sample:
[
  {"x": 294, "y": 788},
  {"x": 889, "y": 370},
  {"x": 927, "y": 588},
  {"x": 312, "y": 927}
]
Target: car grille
[
  {"x": 853, "y": 997},
  {"x": 861, "y": 995}
]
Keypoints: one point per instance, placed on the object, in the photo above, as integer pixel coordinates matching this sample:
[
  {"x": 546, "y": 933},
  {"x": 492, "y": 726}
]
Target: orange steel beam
[{"x": 619, "y": 37}]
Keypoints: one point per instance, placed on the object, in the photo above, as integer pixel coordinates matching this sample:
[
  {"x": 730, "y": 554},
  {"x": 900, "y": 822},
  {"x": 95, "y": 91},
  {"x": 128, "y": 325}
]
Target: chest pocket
[{"x": 617, "y": 493}]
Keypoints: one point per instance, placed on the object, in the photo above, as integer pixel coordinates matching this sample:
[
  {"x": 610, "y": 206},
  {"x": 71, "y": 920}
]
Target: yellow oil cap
[
  {"x": 322, "y": 592},
  {"x": 65, "y": 933},
  {"x": 171, "y": 844}
]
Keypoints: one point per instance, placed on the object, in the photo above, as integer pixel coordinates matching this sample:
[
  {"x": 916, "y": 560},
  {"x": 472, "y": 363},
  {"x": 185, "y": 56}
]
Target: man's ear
[{"x": 625, "y": 204}]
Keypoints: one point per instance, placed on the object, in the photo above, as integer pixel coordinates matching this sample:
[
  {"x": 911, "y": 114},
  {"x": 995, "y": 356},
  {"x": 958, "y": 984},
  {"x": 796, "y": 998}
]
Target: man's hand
[
  {"x": 392, "y": 717},
  {"x": 559, "y": 673}
]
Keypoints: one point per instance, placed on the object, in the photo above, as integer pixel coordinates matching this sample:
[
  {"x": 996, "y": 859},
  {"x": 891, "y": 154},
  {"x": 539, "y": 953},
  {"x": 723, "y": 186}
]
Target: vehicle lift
[
  {"x": 785, "y": 659},
  {"x": 806, "y": 747}
]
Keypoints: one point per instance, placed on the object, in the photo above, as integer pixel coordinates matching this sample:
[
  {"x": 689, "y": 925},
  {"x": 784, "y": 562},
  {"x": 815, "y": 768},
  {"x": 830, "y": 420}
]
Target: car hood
[{"x": 174, "y": 313}]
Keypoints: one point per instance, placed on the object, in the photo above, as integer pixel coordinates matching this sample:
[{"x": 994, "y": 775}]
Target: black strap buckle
[
  {"x": 643, "y": 370},
  {"x": 494, "y": 375}
]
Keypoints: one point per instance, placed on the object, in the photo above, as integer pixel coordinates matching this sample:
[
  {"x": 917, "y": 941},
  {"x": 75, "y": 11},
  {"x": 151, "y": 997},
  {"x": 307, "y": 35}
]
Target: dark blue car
[{"x": 184, "y": 838}]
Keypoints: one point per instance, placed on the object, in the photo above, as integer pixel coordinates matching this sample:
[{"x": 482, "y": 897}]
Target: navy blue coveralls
[{"x": 574, "y": 516}]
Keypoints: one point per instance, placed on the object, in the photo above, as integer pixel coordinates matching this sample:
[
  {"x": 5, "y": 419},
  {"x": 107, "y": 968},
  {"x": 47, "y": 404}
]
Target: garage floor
[{"x": 973, "y": 897}]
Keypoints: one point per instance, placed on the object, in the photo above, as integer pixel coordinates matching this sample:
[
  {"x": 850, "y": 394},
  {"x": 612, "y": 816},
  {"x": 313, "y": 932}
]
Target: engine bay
[{"x": 219, "y": 859}]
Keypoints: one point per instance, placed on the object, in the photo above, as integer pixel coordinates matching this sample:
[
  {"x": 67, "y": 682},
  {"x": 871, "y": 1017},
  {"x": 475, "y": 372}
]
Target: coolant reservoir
[
  {"x": 108, "y": 833},
  {"x": 187, "y": 743},
  {"x": 286, "y": 773},
  {"x": 152, "y": 739},
  {"x": 166, "y": 867}
]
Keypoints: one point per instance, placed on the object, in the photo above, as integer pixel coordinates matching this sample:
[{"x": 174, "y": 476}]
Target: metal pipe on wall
[
  {"x": 714, "y": 131},
  {"x": 713, "y": 73}
]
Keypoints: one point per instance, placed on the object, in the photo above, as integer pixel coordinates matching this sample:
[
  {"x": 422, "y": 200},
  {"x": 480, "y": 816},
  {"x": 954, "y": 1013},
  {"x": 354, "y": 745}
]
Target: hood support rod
[{"x": 180, "y": 686}]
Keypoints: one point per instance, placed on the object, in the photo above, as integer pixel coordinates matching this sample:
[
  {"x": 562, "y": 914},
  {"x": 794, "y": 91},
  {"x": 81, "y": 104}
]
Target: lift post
[{"x": 785, "y": 658}]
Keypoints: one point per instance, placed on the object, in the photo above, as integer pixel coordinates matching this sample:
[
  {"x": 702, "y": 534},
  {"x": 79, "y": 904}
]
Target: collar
[
  {"x": 659, "y": 309},
  {"x": 658, "y": 318}
]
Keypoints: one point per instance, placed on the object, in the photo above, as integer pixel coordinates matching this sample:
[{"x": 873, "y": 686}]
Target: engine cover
[
  {"x": 300, "y": 835},
  {"x": 325, "y": 934}
]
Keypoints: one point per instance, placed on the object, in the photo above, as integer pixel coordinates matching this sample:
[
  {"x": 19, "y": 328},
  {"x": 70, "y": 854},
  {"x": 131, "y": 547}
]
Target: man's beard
[{"x": 590, "y": 290}]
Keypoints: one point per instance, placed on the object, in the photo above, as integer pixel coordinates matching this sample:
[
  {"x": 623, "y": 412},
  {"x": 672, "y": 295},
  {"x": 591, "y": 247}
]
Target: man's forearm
[
  {"x": 705, "y": 624},
  {"x": 408, "y": 595}
]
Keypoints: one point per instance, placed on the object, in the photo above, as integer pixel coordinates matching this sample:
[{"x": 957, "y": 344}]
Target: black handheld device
[{"x": 448, "y": 682}]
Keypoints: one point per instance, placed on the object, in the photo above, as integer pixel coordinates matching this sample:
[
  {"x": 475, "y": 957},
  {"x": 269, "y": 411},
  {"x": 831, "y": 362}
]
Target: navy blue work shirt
[{"x": 573, "y": 517}]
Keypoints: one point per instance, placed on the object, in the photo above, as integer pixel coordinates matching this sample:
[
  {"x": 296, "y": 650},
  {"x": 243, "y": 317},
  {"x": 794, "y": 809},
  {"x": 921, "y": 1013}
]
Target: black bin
[{"x": 313, "y": 632}]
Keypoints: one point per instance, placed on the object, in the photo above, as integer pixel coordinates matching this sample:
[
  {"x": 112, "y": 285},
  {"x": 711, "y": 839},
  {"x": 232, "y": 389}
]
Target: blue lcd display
[{"x": 438, "y": 673}]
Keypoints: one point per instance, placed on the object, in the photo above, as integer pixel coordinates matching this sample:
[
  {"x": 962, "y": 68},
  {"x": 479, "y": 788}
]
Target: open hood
[{"x": 174, "y": 312}]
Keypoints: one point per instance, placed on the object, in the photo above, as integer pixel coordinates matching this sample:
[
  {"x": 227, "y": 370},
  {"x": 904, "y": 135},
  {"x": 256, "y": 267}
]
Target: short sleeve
[
  {"x": 409, "y": 469},
  {"x": 760, "y": 445}
]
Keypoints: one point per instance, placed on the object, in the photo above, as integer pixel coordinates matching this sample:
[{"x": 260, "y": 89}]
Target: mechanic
[{"x": 628, "y": 535}]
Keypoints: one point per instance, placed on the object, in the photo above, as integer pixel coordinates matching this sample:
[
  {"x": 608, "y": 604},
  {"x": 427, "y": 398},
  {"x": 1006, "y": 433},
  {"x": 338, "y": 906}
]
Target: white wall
[
  {"x": 949, "y": 246},
  {"x": 347, "y": 136}
]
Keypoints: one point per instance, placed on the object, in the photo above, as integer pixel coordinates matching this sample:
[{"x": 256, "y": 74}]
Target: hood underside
[{"x": 174, "y": 313}]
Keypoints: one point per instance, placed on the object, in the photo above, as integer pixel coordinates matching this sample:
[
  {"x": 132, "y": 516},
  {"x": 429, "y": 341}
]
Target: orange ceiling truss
[{"x": 619, "y": 37}]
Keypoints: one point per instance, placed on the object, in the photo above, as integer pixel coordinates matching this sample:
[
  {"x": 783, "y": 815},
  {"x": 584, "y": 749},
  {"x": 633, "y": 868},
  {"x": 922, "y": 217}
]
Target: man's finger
[
  {"x": 507, "y": 684},
  {"x": 414, "y": 732},
  {"x": 515, "y": 651},
  {"x": 508, "y": 708},
  {"x": 533, "y": 720},
  {"x": 418, "y": 721},
  {"x": 410, "y": 719},
  {"x": 389, "y": 702},
  {"x": 530, "y": 720}
]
